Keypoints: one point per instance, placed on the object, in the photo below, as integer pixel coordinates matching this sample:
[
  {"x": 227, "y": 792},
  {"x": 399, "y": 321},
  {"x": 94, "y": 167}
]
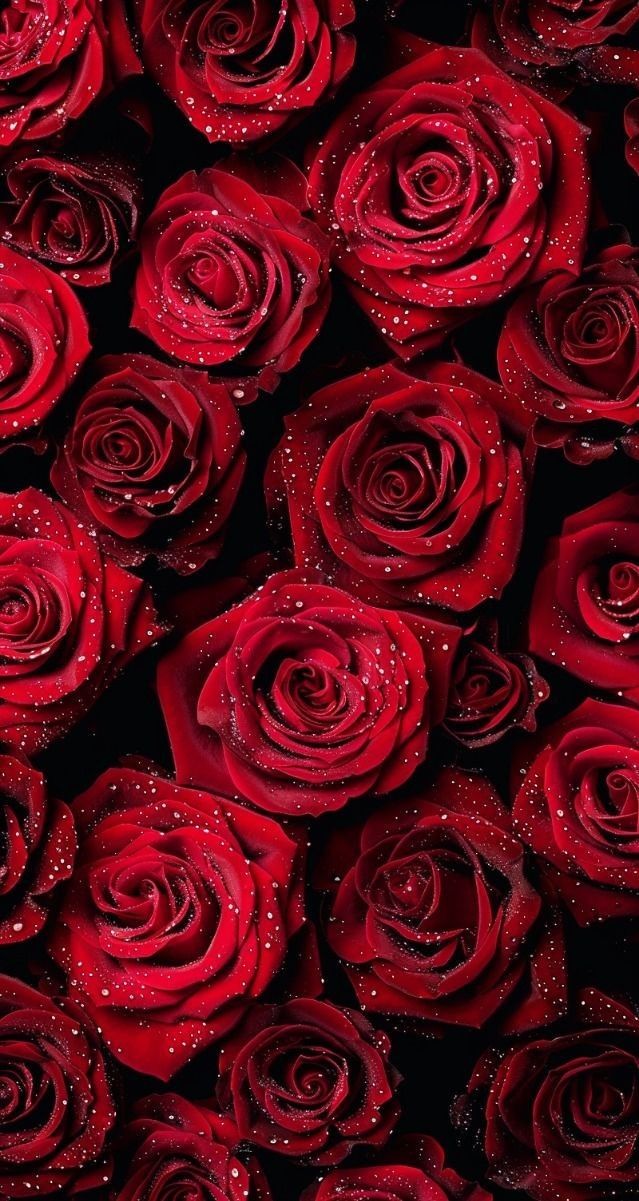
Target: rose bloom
[
  {"x": 446, "y": 186},
  {"x": 74, "y": 215},
  {"x": 631, "y": 126},
  {"x": 179, "y": 913},
  {"x": 561, "y": 1114},
  {"x": 44, "y": 340},
  {"x": 578, "y": 809},
  {"x": 584, "y": 614},
  {"x": 38, "y": 849},
  {"x": 55, "y": 60},
  {"x": 153, "y": 462},
  {"x": 242, "y": 75},
  {"x": 302, "y": 697},
  {"x": 231, "y": 272},
  {"x": 405, "y": 490},
  {"x": 178, "y": 1149},
  {"x": 555, "y": 45},
  {"x": 433, "y": 914},
  {"x": 568, "y": 356},
  {"x": 57, "y": 1108},
  {"x": 492, "y": 691},
  {"x": 308, "y": 1079},
  {"x": 413, "y": 1169},
  {"x": 69, "y": 620}
]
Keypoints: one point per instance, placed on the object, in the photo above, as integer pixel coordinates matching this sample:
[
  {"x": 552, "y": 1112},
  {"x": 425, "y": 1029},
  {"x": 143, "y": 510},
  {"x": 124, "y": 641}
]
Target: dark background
[{"x": 127, "y": 720}]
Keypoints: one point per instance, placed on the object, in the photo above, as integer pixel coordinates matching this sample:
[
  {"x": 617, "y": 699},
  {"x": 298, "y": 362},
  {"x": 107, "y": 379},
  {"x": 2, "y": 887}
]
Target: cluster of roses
[{"x": 362, "y": 663}]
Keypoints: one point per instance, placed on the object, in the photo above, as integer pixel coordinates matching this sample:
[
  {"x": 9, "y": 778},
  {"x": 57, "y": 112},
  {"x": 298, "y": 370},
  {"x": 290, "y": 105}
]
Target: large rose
[
  {"x": 179, "y": 913},
  {"x": 568, "y": 355},
  {"x": 492, "y": 691},
  {"x": 447, "y": 185},
  {"x": 413, "y": 1169},
  {"x": 73, "y": 214},
  {"x": 562, "y": 1113},
  {"x": 308, "y": 1079},
  {"x": 153, "y": 461},
  {"x": 434, "y": 916},
  {"x": 38, "y": 848},
  {"x": 181, "y": 1150},
  {"x": 404, "y": 490},
  {"x": 56, "y": 57},
  {"x": 578, "y": 808},
  {"x": 44, "y": 339},
  {"x": 231, "y": 272},
  {"x": 242, "y": 73},
  {"x": 57, "y": 1109},
  {"x": 301, "y": 697},
  {"x": 69, "y": 619},
  {"x": 585, "y": 608},
  {"x": 555, "y": 45}
]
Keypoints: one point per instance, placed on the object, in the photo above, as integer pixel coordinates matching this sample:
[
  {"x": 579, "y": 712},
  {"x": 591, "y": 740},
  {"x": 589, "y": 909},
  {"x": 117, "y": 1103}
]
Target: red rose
[
  {"x": 242, "y": 74},
  {"x": 38, "y": 849},
  {"x": 568, "y": 354},
  {"x": 69, "y": 619},
  {"x": 231, "y": 272},
  {"x": 448, "y": 185},
  {"x": 631, "y": 126},
  {"x": 561, "y": 1113},
  {"x": 556, "y": 45},
  {"x": 57, "y": 1109},
  {"x": 44, "y": 339},
  {"x": 578, "y": 807},
  {"x": 153, "y": 462},
  {"x": 57, "y": 56},
  {"x": 183, "y": 1150},
  {"x": 301, "y": 697},
  {"x": 179, "y": 913},
  {"x": 413, "y": 1171},
  {"x": 74, "y": 214},
  {"x": 434, "y": 916},
  {"x": 309, "y": 1079},
  {"x": 585, "y": 608},
  {"x": 492, "y": 692},
  {"x": 404, "y": 490}
]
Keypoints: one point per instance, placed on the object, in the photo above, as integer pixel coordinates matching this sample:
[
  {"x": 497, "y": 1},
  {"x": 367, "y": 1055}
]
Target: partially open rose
[
  {"x": 412, "y": 1169},
  {"x": 446, "y": 186},
  {"x": 242, "y": 74},
  {"x": 309, "y": 1079},
  {"x": 179, "y": 914},
  {"x": 301, "y": 697}
]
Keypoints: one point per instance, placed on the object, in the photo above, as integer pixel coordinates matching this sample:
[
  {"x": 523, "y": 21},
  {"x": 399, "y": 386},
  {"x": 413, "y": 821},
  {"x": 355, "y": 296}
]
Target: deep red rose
[
  {"x": 554, "y": 44},
  {"x": 56, "y": 58},
  {"x": 568, "y": 356},
  {"x": 301, "y": 697},
  {"x": 76, "y": 215},
  {"x": 404, "y": 490},
  {"x": 44, "y": 339},
  {"x": 309, "y": 1079},
  {"x": 433, "y": 914},
  {"x": 38, "y": 848},
  {"x": 69, "y": 620},
  {"x": 153, "y": 462},
  {"x": 562, "y": 1113},
  {"x": 231, "y": 272},
  {"x": 578, "y": 809},
  {"x": 585, "y": 608},
  {"x": 492, "y": 691},
  {"x": 241, "y": 74},
  {"x": 57, "y": 1108},
  {"x": 180, "y": 1150},
  {"x": 447, "y": 185},
  {"x": 412, "y": 1170},
  {"x": 178, "y": 914}
]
